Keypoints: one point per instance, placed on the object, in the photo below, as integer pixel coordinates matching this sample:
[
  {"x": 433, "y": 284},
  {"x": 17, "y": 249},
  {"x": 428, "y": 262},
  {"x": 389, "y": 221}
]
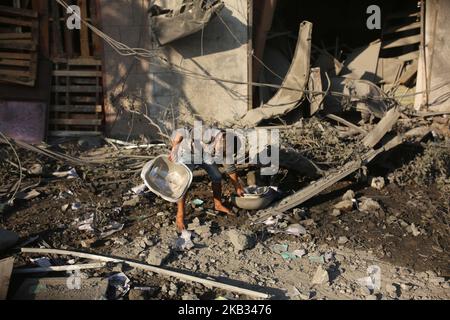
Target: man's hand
[
  {"x": 237, "y": 184},
  {"x": 240, "y": 191},
  {"x": 175, "y": 143},
  {"x": 173, "y": 155}
]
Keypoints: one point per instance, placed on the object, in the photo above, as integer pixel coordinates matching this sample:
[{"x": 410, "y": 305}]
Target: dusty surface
[{"x": 407, "y": 237}]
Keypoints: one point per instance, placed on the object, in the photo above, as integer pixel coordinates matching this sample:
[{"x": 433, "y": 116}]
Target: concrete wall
[{"x": 168, "y": 97}]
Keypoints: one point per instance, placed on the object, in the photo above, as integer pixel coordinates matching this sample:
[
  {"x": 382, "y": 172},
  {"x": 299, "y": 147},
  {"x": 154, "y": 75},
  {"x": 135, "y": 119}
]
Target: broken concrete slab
[
  {"x": 62, "y": 289},
  {"x": 241, "y": 240},
  {"x": 292, "y": 91},
  {"x": 7, "y": 239},
  {"x": 158, "y": 255},
  {"x": 6, "y": 267},
  {"x": 345, "y": 205},
  {"x": 369, "y": 205},
  {"x": 170, "y": 25},
  {"x": 362, "y": 63},
  {"x": 321, "y": 277}
]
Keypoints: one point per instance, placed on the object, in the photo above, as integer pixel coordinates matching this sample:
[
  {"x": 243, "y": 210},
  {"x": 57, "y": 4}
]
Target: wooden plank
[
  {"x": 95, "y": 17},
  {"x": 16, "y": 63},
  {"x": 18, "y": 45},
  {"x": 69, "y": 133},
  {"x": 15, "y": 73},
  {"x": 84, "y": 32},
  {"x": 79, "y": 100},
  {"x": 44, "y": 27},
  {"x": 56, "y": 50},
  {"x": 77, "y": 108},
  {"x": 86, "y": 266},
  {"x": 77, "y": 73},
  {"x": 383, "y": 127},
  {"x": 77, "y": 122},
  {"x": 16, "y": 56},
  {"x": 15, "y": 36},
  {"x": 16, "y": 22},
  {"x": 6, "y": 267},
  {"x": 23, "y": 82},
  {"x": 412, "y": 26},
  {"x": 79, "y": 61},
  {"x": 76, "y": 89},
  {"x": 18, "y": 12},
  {"x": 402, "y": 42},
  {"x": 154, "y": 269}
]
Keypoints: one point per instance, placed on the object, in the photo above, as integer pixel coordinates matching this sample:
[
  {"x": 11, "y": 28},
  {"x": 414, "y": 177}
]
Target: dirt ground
[{"x": 407, "y": 237}]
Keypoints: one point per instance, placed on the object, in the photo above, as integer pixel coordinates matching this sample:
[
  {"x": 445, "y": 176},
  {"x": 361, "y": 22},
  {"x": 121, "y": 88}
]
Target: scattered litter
[
  {"x": 133, "y": 202},
  {"x": 349, "y": 196},
  {"x": 342, "y": 240},
  {"x": 36, "y": 169},
  {"x": 76, "y": 206},
  {"x": 42, "y": 262},
  {"x": 280, "y": 248},
  {"x": 296, "y": 230},
  {"x": 369, "y": 205},
  {"x": 345, "y": 205},
  {"x": 317, "y": 259},
  {"x": 139, "y": 190},
  {"x": 320, "y": 277},
  {"x": 119, "y": 285},
  {"x": 197, "y": 203},
  {"x": 414, "y": 230},
  {"x": 28, "y": 195},
  {"x": 299, "y": 253},
  {"x": 111, "y": 228},
  {"x": 86, "y": 224},
  {"x": 378, "y": 183},
  {"x": 71, "y": 174},
  {"x": 184, "y": 242}
]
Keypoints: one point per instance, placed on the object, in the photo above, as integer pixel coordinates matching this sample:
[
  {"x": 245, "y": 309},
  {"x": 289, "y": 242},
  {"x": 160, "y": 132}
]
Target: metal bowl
[
  {"x": 255, "y": 198},
  {"x": 167, "y": 179}
]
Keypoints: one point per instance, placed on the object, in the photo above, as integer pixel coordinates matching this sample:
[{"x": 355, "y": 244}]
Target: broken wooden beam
[
  {"x": 319, "y": 186},
  {"x": 157, "y": 270},
  {"x": 60, "y": 268},
  {"x": 346, "y": 123},
  {"x": 383, "y": 127}
]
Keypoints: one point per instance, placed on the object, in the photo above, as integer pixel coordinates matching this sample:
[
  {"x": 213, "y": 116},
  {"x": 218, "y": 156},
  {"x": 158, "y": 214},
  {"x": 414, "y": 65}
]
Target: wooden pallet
[
  {"x": 74, "y": 43},
  {"x": 77, "y": 98},
  {"x": 19, "y": 34}
]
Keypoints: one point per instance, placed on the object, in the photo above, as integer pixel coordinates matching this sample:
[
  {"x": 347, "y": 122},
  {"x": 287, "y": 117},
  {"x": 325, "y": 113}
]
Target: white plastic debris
[
  {"x": 184, "y": 242},
  {"x": 85, "y": 225},
  {"x": 139, "y": 190},
  {"x": 76, "y": 206},
  {"x": 296, "y": 230},
  {"x": 71, "y": 174},
  {"x": 112, "y": 228}
]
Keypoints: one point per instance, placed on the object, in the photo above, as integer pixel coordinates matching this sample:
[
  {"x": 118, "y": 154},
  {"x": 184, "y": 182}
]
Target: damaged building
[{"x": 91, "y": 91}]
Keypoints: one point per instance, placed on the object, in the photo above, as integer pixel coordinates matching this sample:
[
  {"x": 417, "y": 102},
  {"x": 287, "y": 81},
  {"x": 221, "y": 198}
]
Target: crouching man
[{"x": 205, "y": 147}]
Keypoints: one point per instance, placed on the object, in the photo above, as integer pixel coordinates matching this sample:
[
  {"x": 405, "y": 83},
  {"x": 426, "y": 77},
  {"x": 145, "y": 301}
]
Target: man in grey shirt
[{"x": 203, "y": 146}]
